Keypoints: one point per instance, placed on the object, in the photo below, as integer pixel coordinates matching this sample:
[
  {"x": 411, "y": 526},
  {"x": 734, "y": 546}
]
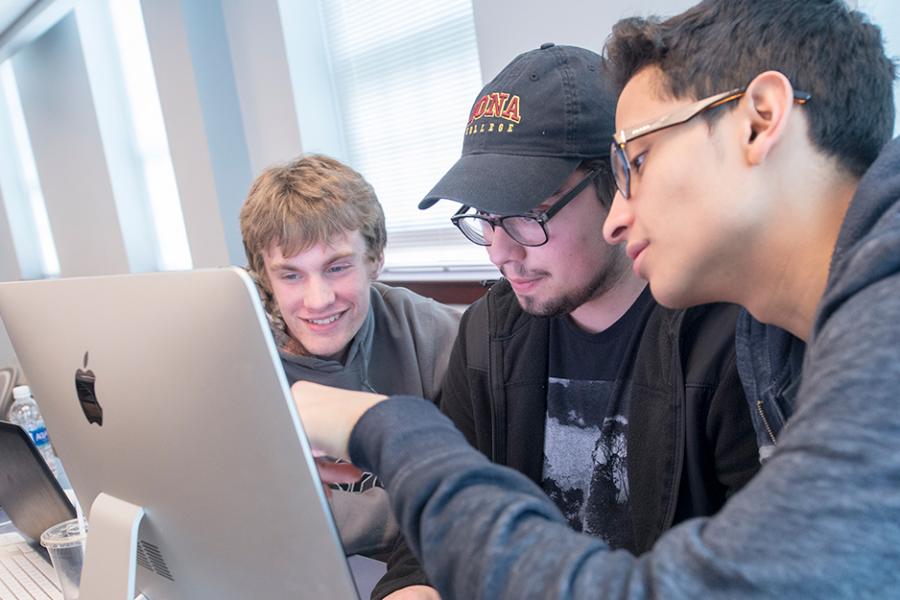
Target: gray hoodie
[{"x": 402, "y": 347}]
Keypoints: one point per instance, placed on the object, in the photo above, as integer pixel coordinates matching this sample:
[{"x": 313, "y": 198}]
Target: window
[
  {"x": 134, "y": 137},
  {"x": 21, "y": 187},
  {"x": 150, "y": 134},
  {"x": 405, "y": 74}
]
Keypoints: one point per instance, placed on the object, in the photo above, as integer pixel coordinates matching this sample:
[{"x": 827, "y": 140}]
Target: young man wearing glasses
[
  {"x": 791, "y": 209},
  {"x": 629, "y": 416}
]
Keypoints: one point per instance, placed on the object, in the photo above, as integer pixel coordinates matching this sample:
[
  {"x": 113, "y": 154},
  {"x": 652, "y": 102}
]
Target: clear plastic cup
[{"x": 65, "y": 543}]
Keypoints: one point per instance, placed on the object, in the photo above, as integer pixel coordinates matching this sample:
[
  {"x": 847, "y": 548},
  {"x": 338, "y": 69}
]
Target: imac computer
[{"x": 165, "y": 399}]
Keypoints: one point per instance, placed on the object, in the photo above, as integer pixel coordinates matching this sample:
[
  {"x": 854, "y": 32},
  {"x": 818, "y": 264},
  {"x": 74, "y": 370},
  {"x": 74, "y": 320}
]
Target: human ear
[
  {"x": 375, "y": 267},
  {"x": 767, "y": 105}
]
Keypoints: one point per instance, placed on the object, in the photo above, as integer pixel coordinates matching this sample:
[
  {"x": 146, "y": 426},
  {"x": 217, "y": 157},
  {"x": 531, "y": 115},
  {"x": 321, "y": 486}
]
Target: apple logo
[{"x": 84, "y": 387}]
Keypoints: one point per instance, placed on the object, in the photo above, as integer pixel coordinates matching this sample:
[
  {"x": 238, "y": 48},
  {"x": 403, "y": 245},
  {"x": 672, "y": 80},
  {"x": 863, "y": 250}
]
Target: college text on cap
[{"x": 500, "y": 105}]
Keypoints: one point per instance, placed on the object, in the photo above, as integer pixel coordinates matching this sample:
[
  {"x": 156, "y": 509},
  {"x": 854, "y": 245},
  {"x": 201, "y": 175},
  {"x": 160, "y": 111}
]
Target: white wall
[
  {"x": 886, "y": 13},
  {"x": 506, "y": 28}
]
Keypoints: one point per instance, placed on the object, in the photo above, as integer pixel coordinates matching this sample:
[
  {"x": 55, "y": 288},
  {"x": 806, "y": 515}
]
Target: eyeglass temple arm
[
  {"x": 675, "y": 118},
  {"x": 462, "y": 210},
  {"x": 680, "y": 116}
]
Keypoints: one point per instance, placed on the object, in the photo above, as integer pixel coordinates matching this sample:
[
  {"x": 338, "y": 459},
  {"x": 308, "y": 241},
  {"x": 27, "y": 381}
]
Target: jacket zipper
[
  {"x": 498, "y": 413},
  {"x": 762, "y": 414},
  {"x": 679, "y": 369}
]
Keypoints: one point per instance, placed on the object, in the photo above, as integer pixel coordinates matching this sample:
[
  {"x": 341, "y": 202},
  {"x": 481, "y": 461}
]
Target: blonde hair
[{"x": 305, "y": 202}]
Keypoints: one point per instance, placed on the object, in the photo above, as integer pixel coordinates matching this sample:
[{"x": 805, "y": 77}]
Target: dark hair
[
  {"x": 822, "y": 46},
  {"x": 604, "y": 182}
]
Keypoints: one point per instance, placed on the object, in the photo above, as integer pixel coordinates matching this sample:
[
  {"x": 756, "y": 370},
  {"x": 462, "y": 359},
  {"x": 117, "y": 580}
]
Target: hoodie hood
[
  {"x": 360, "y": 349},
  {"x": 868, "y": 246}
]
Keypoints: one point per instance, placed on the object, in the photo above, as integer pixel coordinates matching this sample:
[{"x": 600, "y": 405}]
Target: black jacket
[{"x": 691, "y": 443}]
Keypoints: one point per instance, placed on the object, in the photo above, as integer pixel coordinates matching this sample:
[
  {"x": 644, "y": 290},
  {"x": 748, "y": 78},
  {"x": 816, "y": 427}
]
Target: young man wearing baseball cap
[{"x": 631, "y": 417}]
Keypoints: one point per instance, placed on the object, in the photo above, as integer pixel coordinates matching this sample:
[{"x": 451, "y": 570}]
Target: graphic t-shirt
[{"x": 585, "y": 451}]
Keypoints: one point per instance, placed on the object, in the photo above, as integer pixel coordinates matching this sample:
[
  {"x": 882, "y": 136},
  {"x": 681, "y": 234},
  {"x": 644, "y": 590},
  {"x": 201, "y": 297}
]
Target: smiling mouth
[{"x": 326, "y": 320}]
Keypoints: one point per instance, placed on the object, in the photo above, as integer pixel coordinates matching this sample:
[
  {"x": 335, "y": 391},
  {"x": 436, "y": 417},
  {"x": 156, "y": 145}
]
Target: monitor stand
[{"x": 110, "y": 559}]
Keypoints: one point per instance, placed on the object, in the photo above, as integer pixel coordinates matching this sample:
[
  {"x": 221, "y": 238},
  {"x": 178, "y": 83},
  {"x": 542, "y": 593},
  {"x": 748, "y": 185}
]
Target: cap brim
[{"x": 502, "y": 184}]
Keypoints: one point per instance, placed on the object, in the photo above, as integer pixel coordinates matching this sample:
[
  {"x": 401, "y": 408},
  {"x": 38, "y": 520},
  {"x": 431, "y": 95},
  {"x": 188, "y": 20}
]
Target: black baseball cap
[{"x": 529, "y": 128}]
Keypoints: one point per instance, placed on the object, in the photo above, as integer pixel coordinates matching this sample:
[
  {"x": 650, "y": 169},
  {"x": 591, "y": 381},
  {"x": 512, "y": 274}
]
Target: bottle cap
[{"x": 21, "y": 391}]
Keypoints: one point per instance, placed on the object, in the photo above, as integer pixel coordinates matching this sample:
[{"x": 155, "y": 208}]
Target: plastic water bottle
[{"x": 24, "y": 413}]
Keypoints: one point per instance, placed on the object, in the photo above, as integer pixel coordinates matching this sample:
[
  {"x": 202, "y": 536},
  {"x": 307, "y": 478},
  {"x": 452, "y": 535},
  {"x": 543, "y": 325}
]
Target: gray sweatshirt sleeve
[{"x": 821, "y": 519}]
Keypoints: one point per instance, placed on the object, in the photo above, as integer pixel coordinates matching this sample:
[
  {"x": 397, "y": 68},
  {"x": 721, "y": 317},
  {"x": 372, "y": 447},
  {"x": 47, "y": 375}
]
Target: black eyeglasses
[
  {"x": 527, "y": 230},
  {"x": 622, "y": 166}
]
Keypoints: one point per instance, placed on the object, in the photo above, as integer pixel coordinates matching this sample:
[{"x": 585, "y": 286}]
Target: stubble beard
[{"x": 605, "y": 279}]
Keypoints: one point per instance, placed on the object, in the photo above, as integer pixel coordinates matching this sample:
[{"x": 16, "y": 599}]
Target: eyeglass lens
[
  {"x": 621, "y": 172},
  {"x": 524, "y": 230}
]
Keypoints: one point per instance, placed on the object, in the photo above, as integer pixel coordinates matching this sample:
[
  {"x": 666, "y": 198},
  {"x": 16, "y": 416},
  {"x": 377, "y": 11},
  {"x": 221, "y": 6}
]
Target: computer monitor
[{"x": 165, "y": 392}]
